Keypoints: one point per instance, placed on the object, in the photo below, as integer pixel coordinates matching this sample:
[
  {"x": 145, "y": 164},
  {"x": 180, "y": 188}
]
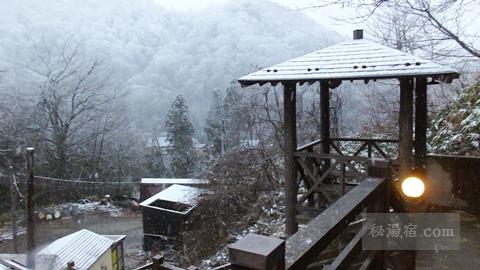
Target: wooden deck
[{"x": 468, "y": 257}]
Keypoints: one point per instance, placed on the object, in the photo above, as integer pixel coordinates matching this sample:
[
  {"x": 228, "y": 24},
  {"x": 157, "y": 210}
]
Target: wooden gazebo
[{"x": 350, "y": 61}]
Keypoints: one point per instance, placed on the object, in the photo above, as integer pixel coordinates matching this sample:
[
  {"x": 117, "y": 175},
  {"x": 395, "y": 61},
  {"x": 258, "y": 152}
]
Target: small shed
[
  {"x": 86, "y": 249},
  {"x": 165, "y": 214}
]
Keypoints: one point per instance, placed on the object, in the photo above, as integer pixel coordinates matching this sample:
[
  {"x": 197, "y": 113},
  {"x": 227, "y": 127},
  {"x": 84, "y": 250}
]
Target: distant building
[
  {"x": 152, "y": 186},
  {"x": 165, "y": 214},
  {"x": 86, "y": 249},
  {"x": 162, "y": 143},
  {"x": 249, "y": 143}
]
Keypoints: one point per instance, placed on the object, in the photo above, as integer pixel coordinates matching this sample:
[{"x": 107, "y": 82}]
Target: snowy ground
[
  {"x": 468, "y": 257},
  {"x": 74, "y": 209},
  {"x": 97, "y": 218}
]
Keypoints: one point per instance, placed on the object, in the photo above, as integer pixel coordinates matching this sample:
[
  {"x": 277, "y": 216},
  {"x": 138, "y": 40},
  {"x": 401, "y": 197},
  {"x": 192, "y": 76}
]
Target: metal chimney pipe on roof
[{"x": 358, "y": 34}]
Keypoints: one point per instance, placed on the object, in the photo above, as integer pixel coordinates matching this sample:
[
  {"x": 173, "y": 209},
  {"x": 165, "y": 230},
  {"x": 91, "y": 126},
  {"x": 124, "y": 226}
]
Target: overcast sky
[{"x": 324, "y": 15}]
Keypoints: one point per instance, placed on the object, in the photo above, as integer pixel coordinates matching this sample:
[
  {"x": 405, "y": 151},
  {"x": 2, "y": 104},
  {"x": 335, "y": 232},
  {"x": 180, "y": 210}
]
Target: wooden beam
[
  {"x": 30, "y": 209},
  {"x": 290, "y": 137},
  {"x": 405, "y": 126},
  {"x": 420, "y": 125},
  {"x": 350, "y": 252},
  {"x": 303, "y": 247},
  {"x": 325, "y": 116}
]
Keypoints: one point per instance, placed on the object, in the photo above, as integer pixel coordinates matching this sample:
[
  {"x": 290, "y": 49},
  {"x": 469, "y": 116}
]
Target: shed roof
[
  {"x": 177, "y": 194},
  {"x": 83, "y": 247},
  {"x": 353, "y": 60},
  {"x": 187, "y": 181}
]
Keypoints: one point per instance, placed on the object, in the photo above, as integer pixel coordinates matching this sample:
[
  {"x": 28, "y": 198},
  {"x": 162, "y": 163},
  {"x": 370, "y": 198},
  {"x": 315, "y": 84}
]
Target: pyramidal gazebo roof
[{"x": 354, "y": 60}]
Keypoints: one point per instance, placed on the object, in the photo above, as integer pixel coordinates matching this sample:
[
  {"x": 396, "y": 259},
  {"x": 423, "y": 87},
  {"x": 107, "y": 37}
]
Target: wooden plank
[
  {"x": 325, "y": 116},
  {"x": 384, "y": 155},
  {"x": 340, "y": 158},
  {"x": 290, "y": 137},
  {"x": 308, "y": 180},
  {"x": 227, "y": 266},
  {"x": 368, "y": 261},
  {"x": 345, "y": 139},
  {"x": 30, "y": 208},
  {"x": 350, "y": 252},
  {"x": 316, "y": 182},
  {"x": 405, "y": 128},
  {"x": 309, "y": 145},
  {"x": 302, "y": 247},
  {"x": 420, "y": 125},
  {"x": 337, "y": 149},
  {"x": 364, "y": 145}
]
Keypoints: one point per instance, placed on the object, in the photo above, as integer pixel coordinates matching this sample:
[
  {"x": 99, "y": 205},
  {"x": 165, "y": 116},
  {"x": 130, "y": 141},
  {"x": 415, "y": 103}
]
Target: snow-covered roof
[
  {"x": 83, "y": 247},
  {"x": 177, "y": 194},
  {"x": 249, "y": 143},
  {"x": 352, "y": 60},
  {"x": 162, "y": 142},
  {"x": 13, "y": 261},
  {"x": 185, "y": 181}
]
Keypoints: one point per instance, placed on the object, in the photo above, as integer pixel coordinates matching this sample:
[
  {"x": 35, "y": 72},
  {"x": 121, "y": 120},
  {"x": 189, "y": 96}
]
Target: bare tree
[
  {"x": 438, "y": 20},
  {"x": 71, "y": 99}
]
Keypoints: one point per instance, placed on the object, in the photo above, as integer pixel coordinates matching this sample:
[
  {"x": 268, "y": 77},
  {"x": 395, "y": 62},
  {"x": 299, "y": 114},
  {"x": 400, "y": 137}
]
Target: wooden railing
[
  {"x": 305, "y": 249},
  {"x": 344, "y": 166},
  {"x": 369, "y": 147},
  {"x": 316, "y": 168},
  {"x": 320, "y": 233}
]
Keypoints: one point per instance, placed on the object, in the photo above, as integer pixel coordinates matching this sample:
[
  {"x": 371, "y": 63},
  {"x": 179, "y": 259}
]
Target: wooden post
[
  {"x": 420, "y": 143},
  {"x": 325, "y": 126},
  {"x": 405, "y": 143},
  {"x": 30, "y": 210},
  {"x": 405, "y": 127},
  {"x": 258, "y": 252},
  {"x": 157, "y": 262},
  {"x": 383, "y": 169},
  {"x": 325, "y": 116},
  {"x": 309, "y": 162},
  {"x": 13, "y": 201},
  {"x": 290, "y": 137}
]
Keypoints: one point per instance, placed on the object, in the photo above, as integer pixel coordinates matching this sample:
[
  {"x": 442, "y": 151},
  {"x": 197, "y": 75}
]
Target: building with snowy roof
[
  {"x": 85, "y": 249},
  {"x": 165, "y": 214}
]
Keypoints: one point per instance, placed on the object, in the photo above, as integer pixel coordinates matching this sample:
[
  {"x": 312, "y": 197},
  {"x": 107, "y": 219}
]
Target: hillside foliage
[{"x": 456, "y": 128}]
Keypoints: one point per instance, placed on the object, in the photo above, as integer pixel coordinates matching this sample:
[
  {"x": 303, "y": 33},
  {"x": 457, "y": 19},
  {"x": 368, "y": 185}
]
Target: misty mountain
[{"x": 153, "y": 54}]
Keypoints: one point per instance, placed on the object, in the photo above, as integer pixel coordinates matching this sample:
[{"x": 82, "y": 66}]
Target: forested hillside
[
  {"x": 88, "y": 83},
  {"x": 154, "y": 54}
]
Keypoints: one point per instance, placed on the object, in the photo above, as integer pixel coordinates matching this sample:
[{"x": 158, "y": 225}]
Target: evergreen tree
[
  {"x": 214, "y": 127},
  {"x": 155, "y": 163},
  {"x": 235, "y": 116},
  {"x": 456, "y": 128},
  {"x": 180, "y": 138}
]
